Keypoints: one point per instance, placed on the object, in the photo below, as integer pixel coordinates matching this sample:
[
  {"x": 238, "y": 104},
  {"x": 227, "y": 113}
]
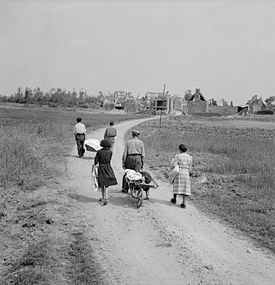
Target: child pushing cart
[{"x": 138, "y": 182}]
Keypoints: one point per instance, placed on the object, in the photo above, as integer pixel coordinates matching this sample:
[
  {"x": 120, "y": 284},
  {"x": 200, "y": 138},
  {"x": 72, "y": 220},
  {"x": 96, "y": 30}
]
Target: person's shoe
[
  {"x": 183, "y": 205},
  {"x": 101, "y": 199},
  {"x": 173, "y": 201},
  {"x": 105, "y": 202},
  {"x": 124, "y": 191}
]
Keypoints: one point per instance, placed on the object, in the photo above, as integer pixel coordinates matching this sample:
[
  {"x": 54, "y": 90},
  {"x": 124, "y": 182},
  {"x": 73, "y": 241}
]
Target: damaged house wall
[
  {"x": 255, "y": 104},
  {"x": 196, "y": 104},
  {"x": 221, "y": 107}
]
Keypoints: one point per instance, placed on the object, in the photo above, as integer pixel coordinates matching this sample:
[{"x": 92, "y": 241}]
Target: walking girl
[{"x": 106, "y": 176}]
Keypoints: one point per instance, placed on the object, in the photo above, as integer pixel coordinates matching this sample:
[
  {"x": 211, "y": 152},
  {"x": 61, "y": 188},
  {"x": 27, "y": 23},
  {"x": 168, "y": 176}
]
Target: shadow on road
[
  {"x": 126, "y": 201},
  {"x": 70, "y": 155},
  {"x": 82, "y": 198},
  {"x": 88, "y": 157},
  {"x": 76, "y": 156},
  {"x": 164, "y": 202}
]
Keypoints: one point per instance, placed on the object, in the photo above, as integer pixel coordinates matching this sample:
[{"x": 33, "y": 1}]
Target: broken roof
[{"x": 197, "y": 96}]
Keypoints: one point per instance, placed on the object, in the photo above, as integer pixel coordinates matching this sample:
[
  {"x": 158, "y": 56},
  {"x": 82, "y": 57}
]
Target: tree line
[{"x": 54, "y": 97}]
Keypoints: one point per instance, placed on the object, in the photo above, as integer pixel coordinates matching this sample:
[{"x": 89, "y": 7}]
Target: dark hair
[
  {"x": 105, "y": 143},
  {"x": 79, "y": 119},
  {"x": 182, "y": 147},
  {"x": 135, "y": 133},
  {"x": 111, "y": 123}
]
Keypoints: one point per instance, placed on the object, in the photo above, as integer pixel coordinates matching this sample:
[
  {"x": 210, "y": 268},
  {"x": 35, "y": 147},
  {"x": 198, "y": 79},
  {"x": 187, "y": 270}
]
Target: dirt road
[{"x": 161, "y": 243}]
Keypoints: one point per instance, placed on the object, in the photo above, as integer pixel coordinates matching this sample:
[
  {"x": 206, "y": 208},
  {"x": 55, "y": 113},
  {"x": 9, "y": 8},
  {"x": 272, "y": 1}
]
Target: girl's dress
[
  {"x": 106, "y": 176},
  {"x": 181, "y": 184}
]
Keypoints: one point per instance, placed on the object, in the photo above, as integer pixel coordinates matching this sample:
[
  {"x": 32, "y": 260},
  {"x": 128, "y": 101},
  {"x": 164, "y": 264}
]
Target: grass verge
[
  {"x": 84, "y": 269},
  {"x": 237, "y": 162}
]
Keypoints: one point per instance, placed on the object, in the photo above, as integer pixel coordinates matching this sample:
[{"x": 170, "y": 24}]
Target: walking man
[
  {"x": 110, "y": 134},
  {"x": 79, "y": 134},
  {"x": 133, "y": 156}
]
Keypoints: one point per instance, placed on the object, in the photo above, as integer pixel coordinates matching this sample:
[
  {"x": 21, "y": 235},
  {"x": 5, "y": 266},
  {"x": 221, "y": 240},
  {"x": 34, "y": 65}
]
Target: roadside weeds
[{"x": 238, "y": 166}]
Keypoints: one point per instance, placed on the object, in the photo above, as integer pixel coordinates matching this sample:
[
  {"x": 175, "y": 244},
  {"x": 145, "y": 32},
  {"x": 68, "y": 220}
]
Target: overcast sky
[{"x": 225, "y": 48}]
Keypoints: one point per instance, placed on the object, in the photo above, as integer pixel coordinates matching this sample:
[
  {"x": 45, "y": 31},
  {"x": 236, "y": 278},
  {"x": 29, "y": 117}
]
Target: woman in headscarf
[
  {"x": 106, "y": 176},
  {"x": 181, "y": 183}
]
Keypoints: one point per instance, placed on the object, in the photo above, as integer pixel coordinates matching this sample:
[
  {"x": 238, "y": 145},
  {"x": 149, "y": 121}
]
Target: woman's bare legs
[
  {"x": 104, "y": 191},
  {"x": 183, "y": 205},
  {"x": 174, "y": 199}
]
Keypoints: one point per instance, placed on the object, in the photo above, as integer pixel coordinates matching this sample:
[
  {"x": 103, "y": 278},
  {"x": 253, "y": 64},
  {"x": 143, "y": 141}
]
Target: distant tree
[
  {"x": 3, "y": 98},
  {"x": 82, "y": 95},
  {"x": 37, "y": 96},
  {"x": 46, "y": 98},
  {"x": 28, "y": 94},
  {"x": 270, "y": 100},
  {"x": 54, "y": 97},
  {"x": 18, "y": 97},
  {"x": 93, "y": 101}
]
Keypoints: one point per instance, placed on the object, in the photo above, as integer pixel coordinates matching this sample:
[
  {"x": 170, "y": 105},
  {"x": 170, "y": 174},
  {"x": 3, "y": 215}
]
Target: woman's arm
[
  {"x": 105, "y": 134},
  {"x": 124, "y": 156},
  {"x": 155, "y": 183},
  {"x": 191, "y": 167},
  {"x": 173, "y": 163},
  {"x": 96, "y": 159}
]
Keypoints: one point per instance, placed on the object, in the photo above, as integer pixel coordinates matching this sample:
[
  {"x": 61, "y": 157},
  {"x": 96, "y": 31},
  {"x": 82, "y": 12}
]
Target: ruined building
[
  {"x": 255, "y": 104},
  {"x": 221, "y": 107},
  {"x": 157, "y": 101},
  {"x": 195, "y": 104},
  {"x": 120, "y": 100}
]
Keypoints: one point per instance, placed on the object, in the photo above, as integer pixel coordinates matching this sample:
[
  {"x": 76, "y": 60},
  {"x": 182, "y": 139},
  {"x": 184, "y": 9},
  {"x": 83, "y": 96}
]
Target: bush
[
  {"x": 83, "y": 105},
  {"x": 53, "y": 105},
  {"x": 265, "y": 112},
  {"x": 209, "y": 114}
]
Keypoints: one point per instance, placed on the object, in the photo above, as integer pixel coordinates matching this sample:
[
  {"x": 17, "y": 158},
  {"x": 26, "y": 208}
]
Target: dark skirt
[
  {"x": 106, "y": 176},
  {"x": 80, "y": 138}
]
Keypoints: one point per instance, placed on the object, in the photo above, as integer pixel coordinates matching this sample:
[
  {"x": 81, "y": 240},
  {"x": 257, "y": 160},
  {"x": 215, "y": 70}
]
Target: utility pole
[{"x": 161, "y": 107}]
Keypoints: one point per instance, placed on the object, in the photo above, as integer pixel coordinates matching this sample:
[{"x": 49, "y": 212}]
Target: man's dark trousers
[
  {"x": 134, "y": 162},
  {"x": 80, "y": 138}
]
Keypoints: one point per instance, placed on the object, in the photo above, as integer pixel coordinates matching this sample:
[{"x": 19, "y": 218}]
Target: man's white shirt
[{"x": 80, "y": 128}]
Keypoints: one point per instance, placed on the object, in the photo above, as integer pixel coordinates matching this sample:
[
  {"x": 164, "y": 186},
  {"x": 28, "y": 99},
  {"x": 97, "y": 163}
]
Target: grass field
[
  {"x": 237, "y": 159},
  {"x": 37, "y": 246}
]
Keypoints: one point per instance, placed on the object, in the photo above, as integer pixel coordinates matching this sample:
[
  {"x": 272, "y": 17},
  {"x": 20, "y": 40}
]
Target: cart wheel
[
  {"x": 139, "y": 202},
  {"x": 140, "y": 199}
]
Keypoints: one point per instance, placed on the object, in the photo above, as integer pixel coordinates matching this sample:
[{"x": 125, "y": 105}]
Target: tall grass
[
  {"x": 22, "y": 146},
  {"x": 239, "y": 165}
]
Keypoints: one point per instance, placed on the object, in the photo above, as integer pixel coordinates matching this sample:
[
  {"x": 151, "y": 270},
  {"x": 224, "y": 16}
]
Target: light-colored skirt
[{"x": 181, "y": 184}]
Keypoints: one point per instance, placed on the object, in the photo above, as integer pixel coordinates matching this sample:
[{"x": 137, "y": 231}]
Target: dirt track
[{"x": 161, "y": 243}]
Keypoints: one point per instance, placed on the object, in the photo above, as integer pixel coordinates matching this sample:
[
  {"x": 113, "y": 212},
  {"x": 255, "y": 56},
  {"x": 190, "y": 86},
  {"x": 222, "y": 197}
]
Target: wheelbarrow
[
  {"x": 136, "y": 185},
  {"x": 92, "y": 145}
]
